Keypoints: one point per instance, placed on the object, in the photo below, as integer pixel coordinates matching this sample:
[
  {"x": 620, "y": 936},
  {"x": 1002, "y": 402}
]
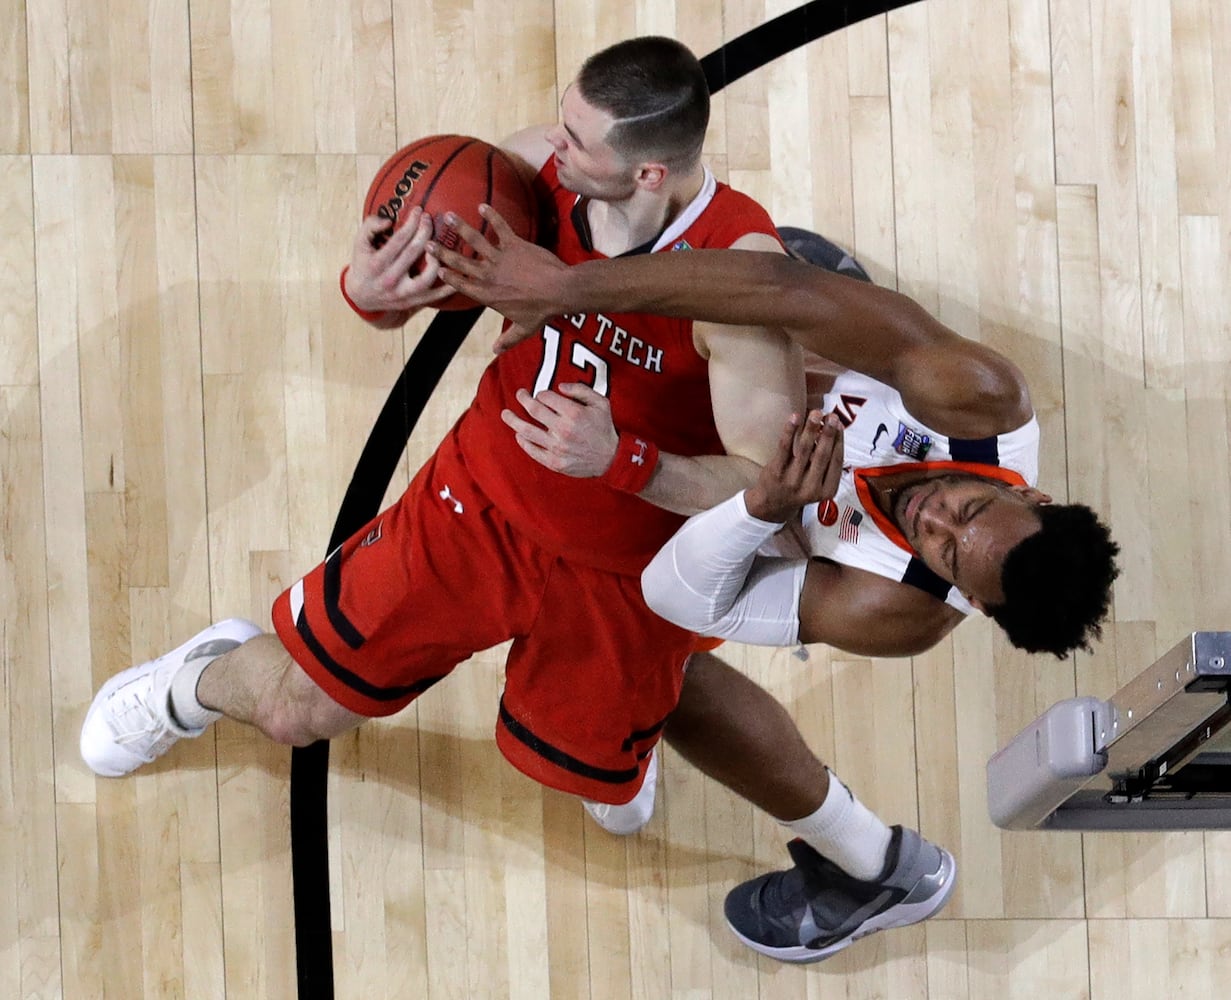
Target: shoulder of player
[
  {"x": 762, "y": 242},
  {"x": 868, "y": 614},
  {"x": 529, "y": 149}
]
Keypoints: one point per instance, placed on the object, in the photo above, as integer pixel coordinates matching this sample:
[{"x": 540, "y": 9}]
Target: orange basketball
[{"x": 453, "y": 173}]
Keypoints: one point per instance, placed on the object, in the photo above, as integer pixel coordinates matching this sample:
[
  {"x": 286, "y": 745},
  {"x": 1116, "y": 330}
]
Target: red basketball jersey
[{"x": 647, "y": 366}]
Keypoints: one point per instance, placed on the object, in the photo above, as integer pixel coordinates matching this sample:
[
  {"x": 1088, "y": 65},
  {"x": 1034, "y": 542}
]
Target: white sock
[
  {"x": 186, "y": 710},
  {"x": 847, "y": 832}
]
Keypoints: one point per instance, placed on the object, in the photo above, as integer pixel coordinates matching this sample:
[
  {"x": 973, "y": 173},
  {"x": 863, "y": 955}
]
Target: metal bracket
[{"x": 1121, "y": 763}]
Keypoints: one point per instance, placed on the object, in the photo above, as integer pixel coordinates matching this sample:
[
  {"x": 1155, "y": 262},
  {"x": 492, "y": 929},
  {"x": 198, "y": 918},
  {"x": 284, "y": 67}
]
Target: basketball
[{"x": 452, "y": 173}]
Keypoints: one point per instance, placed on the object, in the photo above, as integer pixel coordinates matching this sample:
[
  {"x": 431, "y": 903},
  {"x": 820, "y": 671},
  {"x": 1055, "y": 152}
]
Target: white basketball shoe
[
  {"x": 129, "y": 722},
  {"x": 632, "y": 816}
]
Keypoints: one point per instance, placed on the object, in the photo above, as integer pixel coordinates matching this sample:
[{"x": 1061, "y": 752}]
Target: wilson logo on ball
[{"x": 390, "y": 209}]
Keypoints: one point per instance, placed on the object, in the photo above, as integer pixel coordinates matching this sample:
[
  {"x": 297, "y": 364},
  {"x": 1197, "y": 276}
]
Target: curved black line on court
[{"x": 380, "y": 457}]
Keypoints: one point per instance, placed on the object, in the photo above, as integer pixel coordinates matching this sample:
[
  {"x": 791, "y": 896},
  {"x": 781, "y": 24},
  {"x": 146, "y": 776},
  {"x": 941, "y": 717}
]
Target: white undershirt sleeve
[{"x": 709, "y": 579}]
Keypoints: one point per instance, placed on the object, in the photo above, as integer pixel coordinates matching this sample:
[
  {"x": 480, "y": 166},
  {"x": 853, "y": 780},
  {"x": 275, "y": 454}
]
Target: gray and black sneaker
[
  {"x": 809, "y": 912},
  {"x": 815, "y": 249}
]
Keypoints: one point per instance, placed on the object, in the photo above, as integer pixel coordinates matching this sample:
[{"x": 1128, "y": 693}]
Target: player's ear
[
  {"x": 651, "y": 176},
  {"x": 1032, "y": 495}
]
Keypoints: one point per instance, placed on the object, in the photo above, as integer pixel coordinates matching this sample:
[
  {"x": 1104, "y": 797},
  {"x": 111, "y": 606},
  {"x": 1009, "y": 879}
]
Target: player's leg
[
  {"x": 260, "y": 684},
  {"x": 383, "y": 618},
  {"x": 230, "y": 668},
  {"x": 735, "y": 732},
  {"x": 853, "y": 874},
  {"x": 587, "y": 691}
]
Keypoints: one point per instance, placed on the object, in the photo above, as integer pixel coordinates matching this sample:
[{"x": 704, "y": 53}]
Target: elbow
[
  {"x": 657, "y": 586},
  {"x": 668, "y": 596}
]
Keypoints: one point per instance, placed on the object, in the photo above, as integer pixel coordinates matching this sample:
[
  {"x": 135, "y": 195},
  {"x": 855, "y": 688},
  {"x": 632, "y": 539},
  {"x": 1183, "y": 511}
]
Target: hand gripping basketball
[
  {"x": 406, "y": 204},
  {"x": 522, "y": 281},
  {"x": 381, "y": 276}
]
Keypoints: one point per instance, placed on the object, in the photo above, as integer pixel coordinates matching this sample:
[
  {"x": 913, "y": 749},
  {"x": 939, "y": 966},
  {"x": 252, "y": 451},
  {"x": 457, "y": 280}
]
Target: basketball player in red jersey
[{"x": 488, "y": 544}]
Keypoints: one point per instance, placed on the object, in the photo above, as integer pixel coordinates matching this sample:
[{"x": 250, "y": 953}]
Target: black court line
[
  {"x": 386, "y": 442},
  {"x": 310, "y": 765}
]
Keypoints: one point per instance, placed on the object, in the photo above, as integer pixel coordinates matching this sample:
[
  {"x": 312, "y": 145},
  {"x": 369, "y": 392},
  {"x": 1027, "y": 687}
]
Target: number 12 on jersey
[{"x": 581, "y": 357}]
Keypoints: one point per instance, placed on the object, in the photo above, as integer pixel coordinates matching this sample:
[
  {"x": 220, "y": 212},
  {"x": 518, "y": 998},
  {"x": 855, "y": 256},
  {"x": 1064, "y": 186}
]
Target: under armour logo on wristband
[{"x": 633, "y": 464}]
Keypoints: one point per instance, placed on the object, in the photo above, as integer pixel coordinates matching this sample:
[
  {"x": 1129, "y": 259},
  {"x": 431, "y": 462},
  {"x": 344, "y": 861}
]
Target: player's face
[
  {"x": 963, "y": 526},
  {"x": 585, "y": 162}
]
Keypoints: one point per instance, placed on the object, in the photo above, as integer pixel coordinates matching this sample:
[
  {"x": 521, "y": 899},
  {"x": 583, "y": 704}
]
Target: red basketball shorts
[{"x": 591, "y": 675}]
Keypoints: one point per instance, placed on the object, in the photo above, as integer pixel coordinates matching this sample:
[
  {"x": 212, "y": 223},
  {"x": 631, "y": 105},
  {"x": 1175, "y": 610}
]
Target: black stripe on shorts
[
  {"x": 644, "y": 734},
  {"x": 560, "y": 758},
  {"x": 333, "y": 600},
  {"x": 351, "y": 680}
]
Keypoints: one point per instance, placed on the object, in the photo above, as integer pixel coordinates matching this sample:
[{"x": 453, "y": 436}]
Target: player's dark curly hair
[
  {"x": 655, "y": 90},
  {"x": 1057, "y": 582}
]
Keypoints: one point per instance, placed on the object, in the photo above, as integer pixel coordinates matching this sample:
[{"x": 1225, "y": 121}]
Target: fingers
[
  {"x": 406, "y": 247},
  {"x": 546, "y": 406},
  {"x": 526, "y": 432},
  {"x": 582, "y": 393},
  {"x": 817, "y": 456},
  {"x": 777, "y": 464},
  {"x": 373, "y": 232},
  {"x": 471, "y": 236},
  {"x": 382, "y": 242},
  {"x": 832, "y": 477},
  {"x": 511, "y": 336},
  {"x": 504, "y": 232}
]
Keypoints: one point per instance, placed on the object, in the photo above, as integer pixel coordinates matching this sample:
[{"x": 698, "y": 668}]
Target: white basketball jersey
[{"x": 879, "y": 435}]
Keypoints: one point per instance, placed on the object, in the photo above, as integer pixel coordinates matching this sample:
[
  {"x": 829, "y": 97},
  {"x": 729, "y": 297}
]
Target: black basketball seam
[
  {"x": 427, "y": 192},
  {"x": 487, "y": 198}
]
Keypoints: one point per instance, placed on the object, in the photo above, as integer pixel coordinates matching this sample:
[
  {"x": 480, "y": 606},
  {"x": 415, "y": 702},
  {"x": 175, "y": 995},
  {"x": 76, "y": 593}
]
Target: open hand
[
  {"x": 806, "y": 468},
  {"x": 380, "y": 277},
  {"x": 573, "y": 432},
  {"x": 522, "y": 281}
]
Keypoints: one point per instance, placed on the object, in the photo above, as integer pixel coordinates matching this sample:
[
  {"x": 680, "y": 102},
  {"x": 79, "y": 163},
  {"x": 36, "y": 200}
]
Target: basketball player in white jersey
[{"x": 914, "y": 490}]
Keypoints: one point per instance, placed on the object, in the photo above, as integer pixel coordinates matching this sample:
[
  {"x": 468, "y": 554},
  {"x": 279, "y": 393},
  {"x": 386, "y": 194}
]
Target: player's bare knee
[
  {"x": 285, "y": 723},
  {"x": 286, "y": 712}
]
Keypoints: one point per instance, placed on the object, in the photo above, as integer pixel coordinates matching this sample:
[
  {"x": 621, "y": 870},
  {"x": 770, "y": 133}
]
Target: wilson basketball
[{"x": 452, "y": 173}]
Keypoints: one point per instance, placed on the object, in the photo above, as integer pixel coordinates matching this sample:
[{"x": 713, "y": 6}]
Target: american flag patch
[{"x": 848, "y": 530}]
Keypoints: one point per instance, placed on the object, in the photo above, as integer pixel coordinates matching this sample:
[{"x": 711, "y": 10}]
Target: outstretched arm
[
  {"x": 755, "y": 380},
  {"x": 959, "y": 387}
]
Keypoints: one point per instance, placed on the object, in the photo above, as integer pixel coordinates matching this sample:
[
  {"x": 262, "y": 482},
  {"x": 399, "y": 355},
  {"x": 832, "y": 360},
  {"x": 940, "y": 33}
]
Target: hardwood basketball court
[{"x": 183, "y": 396}]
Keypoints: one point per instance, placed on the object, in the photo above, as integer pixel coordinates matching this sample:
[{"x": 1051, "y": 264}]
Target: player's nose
[{"x": 933, "y": 517}]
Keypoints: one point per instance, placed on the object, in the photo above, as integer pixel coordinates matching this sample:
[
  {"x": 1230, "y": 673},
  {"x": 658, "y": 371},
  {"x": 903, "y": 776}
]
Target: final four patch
[
  {"x": 681, "y": 245},
  {"x": 912, "y": 443}
]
